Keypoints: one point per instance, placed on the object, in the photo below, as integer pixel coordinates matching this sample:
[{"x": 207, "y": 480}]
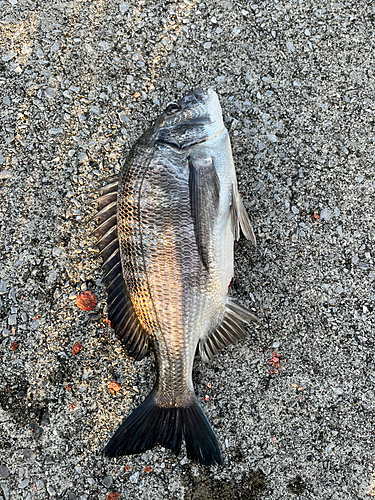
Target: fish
[{"x": 166, "y": 230}]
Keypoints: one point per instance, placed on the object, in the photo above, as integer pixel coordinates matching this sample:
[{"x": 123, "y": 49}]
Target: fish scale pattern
[{"x": 162, "y": 266}]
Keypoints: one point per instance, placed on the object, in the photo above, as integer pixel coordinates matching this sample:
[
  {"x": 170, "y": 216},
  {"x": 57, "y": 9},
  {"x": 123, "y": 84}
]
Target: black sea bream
[{"x": 167, "y": 226}]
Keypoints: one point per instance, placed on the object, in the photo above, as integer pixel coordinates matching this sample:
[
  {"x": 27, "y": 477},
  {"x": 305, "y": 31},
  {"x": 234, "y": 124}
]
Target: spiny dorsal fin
[
  {"x": 204, "y": 190},
  {"x": 228, "y": 331},
  {"x": 120, "y": 311}
]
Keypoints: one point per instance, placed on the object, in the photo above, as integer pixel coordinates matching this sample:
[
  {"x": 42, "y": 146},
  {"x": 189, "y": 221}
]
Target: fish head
[{"x": 193, "y": 119}]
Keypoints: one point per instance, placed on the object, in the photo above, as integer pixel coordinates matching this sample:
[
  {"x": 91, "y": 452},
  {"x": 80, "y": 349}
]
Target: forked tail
[{"x": 150, "y": 424}]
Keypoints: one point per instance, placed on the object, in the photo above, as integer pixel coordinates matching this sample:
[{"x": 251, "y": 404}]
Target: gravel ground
[{"x": 293, "y": 404}]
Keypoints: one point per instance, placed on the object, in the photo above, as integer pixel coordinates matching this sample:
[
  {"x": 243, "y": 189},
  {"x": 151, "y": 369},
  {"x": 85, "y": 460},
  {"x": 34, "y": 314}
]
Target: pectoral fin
[
  {"x": 204, "y": 189},
  {"x": 228, "y": 331},
  {"x": 239, "y": 217}
]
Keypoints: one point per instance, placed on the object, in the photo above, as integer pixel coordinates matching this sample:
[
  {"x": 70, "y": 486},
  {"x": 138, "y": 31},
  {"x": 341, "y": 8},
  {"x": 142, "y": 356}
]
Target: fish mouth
[
  {"x": 210, "y": 97},
  {"x": 202, "y": 94}
]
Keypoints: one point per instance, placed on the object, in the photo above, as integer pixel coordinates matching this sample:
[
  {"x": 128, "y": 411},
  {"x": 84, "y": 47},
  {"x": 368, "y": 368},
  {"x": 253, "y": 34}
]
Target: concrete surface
[{"x": 80, "y": 80}]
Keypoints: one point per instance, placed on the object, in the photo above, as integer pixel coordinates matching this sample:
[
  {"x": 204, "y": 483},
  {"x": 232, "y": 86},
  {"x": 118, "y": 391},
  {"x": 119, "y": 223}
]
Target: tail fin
[{"x": 151, "y": 424}]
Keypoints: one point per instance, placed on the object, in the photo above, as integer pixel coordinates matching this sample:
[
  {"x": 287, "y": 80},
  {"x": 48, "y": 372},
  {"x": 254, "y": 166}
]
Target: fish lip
[
  {"x": 202, "y": 94},
  {"x": 207, "y": 96}
]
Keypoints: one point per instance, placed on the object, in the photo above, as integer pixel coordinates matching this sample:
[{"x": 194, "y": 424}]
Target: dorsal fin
[{"x": 120, "y": 310}]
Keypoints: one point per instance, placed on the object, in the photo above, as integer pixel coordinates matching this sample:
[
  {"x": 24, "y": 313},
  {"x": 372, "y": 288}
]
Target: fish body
[{"x": 174, "y": 213}]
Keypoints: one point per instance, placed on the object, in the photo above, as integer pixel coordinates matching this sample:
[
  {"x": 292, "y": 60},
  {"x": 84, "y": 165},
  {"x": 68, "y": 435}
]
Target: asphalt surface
[{"x": 293, "y": 404}]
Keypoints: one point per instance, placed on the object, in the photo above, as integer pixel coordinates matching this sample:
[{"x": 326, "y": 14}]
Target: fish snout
[{"x": 202, "y": 94}]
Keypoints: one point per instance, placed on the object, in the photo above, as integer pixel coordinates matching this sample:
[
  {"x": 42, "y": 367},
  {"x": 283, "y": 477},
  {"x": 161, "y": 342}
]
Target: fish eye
[{"x": 172, "y": 108}]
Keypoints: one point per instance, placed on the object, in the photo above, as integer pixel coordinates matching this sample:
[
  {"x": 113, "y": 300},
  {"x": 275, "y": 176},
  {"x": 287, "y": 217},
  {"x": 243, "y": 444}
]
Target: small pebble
[
  {"x": 104, "y": 45},
  {"x": 8, "y": 57},
  {"x": 12, "y": 295},
  {"x": 363, "y": 265},
  {"x": 124, "y": 7},
  {"x": 12, "y": 319},
  {"x": 290, "y": 46},
  {"x": 24, "y": 483},
  {"x": 51, "y": 491},
  {"x": 272, "y": 137},
  {"x": 4, "y": 472},
  {"x": 35, "y": 324},
  {"x": 107, "y": 481},
  {"x": 123, "y": 117},
  {"x": 4, "y": 487},
  {"x": 82, "y": 157},
  {"x": 325, "y": 214},
  {"x": 134, "y": 477},
  {"x": 338, "y": 391},
  {"x": 39, "y": 484},
  {"x": 55, "y": 47}
]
